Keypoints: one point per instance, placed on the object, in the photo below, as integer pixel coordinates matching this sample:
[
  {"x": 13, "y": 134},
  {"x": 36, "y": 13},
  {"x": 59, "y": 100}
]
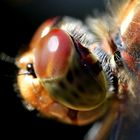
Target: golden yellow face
[{"x": 79, "y": 74}]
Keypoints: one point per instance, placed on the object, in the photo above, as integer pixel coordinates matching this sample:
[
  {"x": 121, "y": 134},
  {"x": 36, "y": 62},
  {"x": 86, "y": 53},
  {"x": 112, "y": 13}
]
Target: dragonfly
[{"x": 81, "y": 73}]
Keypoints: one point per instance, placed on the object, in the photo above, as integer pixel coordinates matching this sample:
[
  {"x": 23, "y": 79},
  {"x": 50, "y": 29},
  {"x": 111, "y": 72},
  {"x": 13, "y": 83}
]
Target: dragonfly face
[
  {"x": 56, "y": 68},
  {"x": 81, "y": 74}
]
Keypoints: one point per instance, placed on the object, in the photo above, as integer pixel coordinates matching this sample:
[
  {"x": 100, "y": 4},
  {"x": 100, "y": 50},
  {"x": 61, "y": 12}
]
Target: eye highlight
[
  {"x": 42, "y": 31},
  {"x": 53, "y": 44}
]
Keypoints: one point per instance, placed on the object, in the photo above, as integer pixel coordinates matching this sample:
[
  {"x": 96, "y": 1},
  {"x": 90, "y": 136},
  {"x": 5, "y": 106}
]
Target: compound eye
[{"x": 53, "y": 54}]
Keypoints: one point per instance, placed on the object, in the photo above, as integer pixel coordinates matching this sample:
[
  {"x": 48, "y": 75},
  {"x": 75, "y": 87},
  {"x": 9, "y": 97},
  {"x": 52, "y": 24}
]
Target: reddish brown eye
[
  {"x": 42, "y": 31},
  {"x": 53, "y": 53}
]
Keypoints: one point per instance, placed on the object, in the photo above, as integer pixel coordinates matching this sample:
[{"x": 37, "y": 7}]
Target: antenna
[
  {"x": 6, "y": 58},
  {"x": 10, "y": 60}
]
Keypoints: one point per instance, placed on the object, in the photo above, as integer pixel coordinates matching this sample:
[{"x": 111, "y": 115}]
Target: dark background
[{"x": 18, "y": 22}]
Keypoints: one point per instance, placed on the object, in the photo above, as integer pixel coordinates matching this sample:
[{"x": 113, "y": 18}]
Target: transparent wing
[
  {"x": 130, "y": 129},
  {"x": 124, "y": 126}
]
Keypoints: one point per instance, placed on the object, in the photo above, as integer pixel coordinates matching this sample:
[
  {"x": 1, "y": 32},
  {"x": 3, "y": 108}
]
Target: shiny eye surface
[
  {"x": 42, "y": 31},
  {"x": 53, "y": 53}
]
